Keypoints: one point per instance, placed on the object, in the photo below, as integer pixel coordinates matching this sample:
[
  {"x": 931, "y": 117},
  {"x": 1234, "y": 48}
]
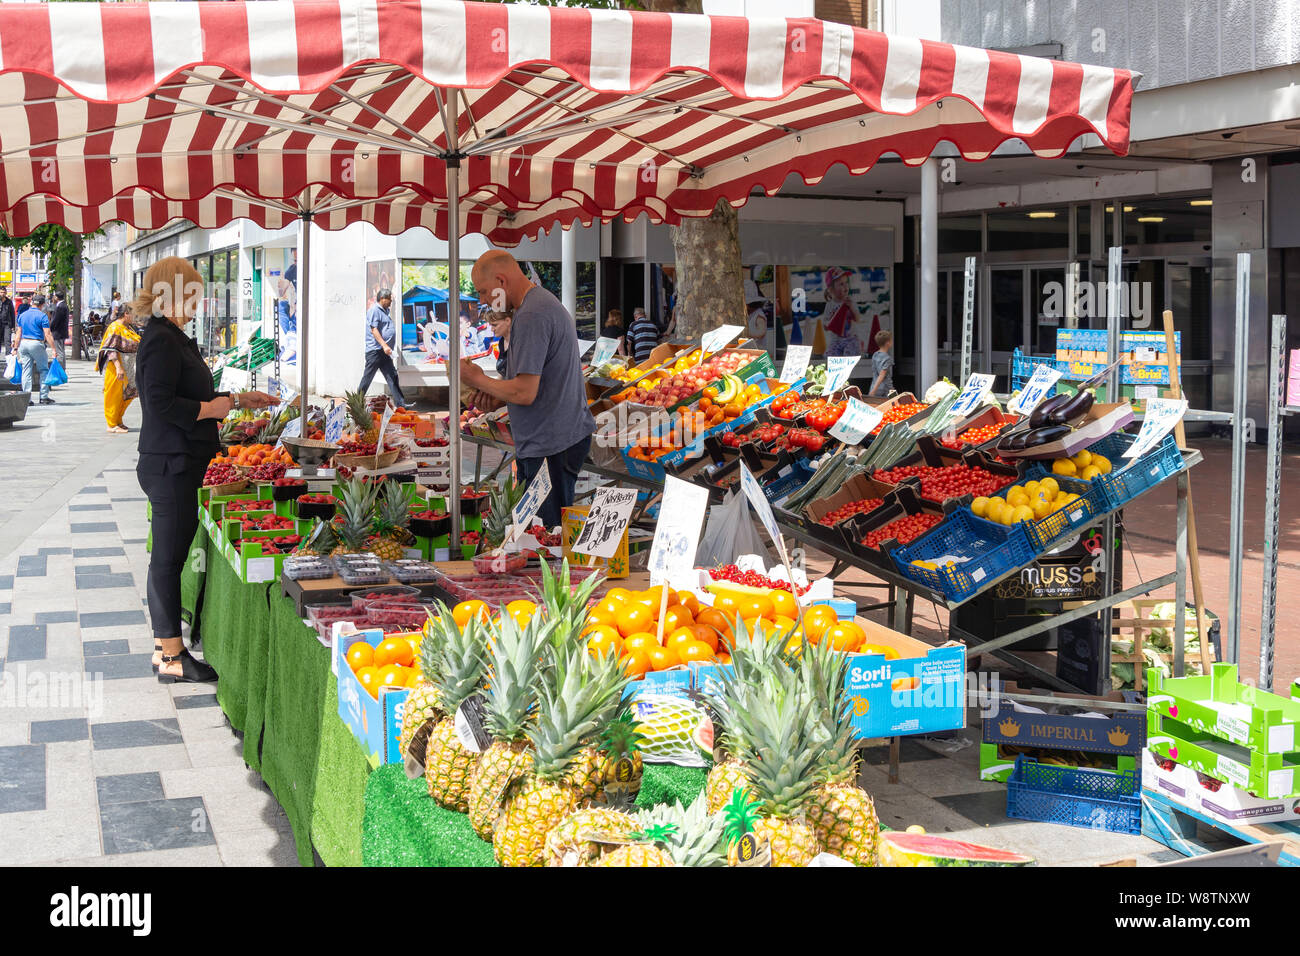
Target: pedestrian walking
[
  {"x": 180, "y": 411},
  {"x": 59, "y": 329},
  {"x": 642, "y": 336},
  {"x": 31, "y": 340},
  {"x": 381, "y": 339},
  {"x": 116, "y": 362},
  {"x": 8, "y": 317}
]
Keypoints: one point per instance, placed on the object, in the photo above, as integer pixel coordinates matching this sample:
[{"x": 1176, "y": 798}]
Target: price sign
[
  {"x": 273, "y": 387},
  {"x": 1161, "y": 415},
  {"x": 539, "y": 489},
  {"x": 857, "y": 422},
  {"x": 677, "y": 535},
  {"x": 796, "y": 363},
  {"x": 972, "y": 394},
  {"x": 715, "y": 339},
  {"x": 838, "y": 370},
  {"x": 383, "y": 427},
  {"x": 1035, "y": 390},
  {"x": 334, "y": 423},
  {"x": 584, "y": 345},
  {"x": 257, "y": 570},
  {"x": 291, "y": 430},
  {"x": 763, "y": 508},
  {"x": 605, "y": 348},
  {"x": 607, "y": 519}
]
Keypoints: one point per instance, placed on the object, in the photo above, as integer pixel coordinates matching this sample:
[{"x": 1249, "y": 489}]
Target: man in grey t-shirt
[{"x": 543, "y": 385}]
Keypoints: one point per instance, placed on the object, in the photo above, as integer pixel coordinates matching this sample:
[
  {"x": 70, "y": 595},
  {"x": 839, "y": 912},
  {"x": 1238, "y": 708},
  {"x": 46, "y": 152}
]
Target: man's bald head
[{"x": 498, "y": 280}]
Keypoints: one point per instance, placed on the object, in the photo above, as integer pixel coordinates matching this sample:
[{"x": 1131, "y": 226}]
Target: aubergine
[
  {"x": 1073, "y": 410},
  {"x": 1039, "y": 416},
  {"x": 1046, "y": 434},
  {"x": 1012, "y": 442}
]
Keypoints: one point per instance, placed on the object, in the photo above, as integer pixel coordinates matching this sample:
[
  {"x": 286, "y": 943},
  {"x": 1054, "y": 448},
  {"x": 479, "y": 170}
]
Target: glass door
[{"x": 1008, "y": 321}]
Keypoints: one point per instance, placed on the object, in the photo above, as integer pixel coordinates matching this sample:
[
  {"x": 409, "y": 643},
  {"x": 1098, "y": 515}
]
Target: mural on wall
[
  {"x": 835, "y": 309},
  {"x": 424, "y": 289}
]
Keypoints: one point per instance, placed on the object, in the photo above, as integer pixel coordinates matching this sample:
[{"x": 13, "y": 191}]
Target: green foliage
[{"x": 57, "y": 243}]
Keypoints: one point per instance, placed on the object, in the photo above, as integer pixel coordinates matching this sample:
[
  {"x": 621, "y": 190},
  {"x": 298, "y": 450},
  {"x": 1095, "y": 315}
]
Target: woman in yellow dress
[{"x": 117, "y": 364}]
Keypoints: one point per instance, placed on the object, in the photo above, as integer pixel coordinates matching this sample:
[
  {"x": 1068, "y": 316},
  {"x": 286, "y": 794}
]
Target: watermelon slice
[{"x": 921, "y": 849}]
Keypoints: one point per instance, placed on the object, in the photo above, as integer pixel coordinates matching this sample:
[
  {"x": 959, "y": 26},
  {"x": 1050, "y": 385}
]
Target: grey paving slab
[
  {"x": 129, "y": 788},
  {"x": 31, "y": 566},
  {"x": 137, "y": 759},
  {"x": 191, "y": 701},
  {"x": 94, "y": 527},
  {"x": 119, "y": 735},
  {"x": 111, "y": 618},
  {"x": 56, "y": 617},
  {"x": 155, "y": 825},
  {"x": 93, "y": 569},
  {"x": 98, "y": 552},
  {"x": 88, "y": 582},
  {"x": 122, "y": 666},
  {"x": 94, "y": 490},
  {"x": 5, "y": 608},
  {"x": 93, "y": 507},
  {"x": 22, "y": 779},
  {"x": 26, "y": 642},
  {"x": 6, "y": 582},
  {"x": 105, "y": 648},
  {"x": 49, "y": 731}
]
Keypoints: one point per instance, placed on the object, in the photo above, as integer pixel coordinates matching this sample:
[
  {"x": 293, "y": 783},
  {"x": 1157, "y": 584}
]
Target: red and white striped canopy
[{"x": 214, "y": 111}]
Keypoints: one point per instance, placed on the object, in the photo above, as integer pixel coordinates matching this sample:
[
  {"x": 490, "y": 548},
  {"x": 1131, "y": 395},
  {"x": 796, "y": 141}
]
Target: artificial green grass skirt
[{"x": 404, "y": 827}]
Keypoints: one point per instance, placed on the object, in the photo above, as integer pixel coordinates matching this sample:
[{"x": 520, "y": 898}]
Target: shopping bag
[
  {"x": 55, "y": 374},
  {"x": 730, "y": 532},
  {"x": 13, "y": 370}
]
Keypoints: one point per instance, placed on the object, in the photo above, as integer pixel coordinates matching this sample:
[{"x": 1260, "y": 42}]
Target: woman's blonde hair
[{"x": 170, "y": 285}]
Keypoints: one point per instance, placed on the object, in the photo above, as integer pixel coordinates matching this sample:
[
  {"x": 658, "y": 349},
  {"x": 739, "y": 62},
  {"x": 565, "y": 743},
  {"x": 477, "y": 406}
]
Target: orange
[
  {"x": 636, "y": 664},
  {"x": 369, "y": 677},
  {"x": 633, "y": 618},
  {"x": 676, "y": 617},
  {"x": 889, "y": 653},
  {"x": 689, "y": 651},
  {"x": 394, "y": 650},
  {"x": 845, "y": 636},
  {"x": 662, "y": 658},
  {"x": 604, "y": 640},
  {"x": 706, "y": 634},
  {"x": 681, "y": 635},
  {"x": 617, "y": 594},
  {"x": 817, "y": 619},
  {"x": 521, "y": 610},
  {"x": 794, "y": 646},
  {"x": 724, "y": 658},
  {"x": 642, "y": 641},
  {"x": 756, "y": 606},
  {"x": 394, "y": 675},
  {"x": 783, "y": 603},
  {"x": 463, "y": 611},
  {"x": 610, "y": 607},
  {"x": 727, "y": 603},
  {"x": 597, "y": 616},
  {"x": 688, "y": 600},
  {"x": 360, "y": 655},
  {"x": 785, "y": 625}
]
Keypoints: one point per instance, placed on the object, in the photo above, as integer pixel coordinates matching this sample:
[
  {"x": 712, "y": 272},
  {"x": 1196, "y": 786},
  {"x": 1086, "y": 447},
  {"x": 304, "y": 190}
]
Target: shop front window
[
  {"x": 1151, "y": 221},
  {"x": 1013, "y": 230},
  {"x": 1007, "y": 298},
  {"x": 1047, "y": 306},
  {"x": 960, "y": 234}
]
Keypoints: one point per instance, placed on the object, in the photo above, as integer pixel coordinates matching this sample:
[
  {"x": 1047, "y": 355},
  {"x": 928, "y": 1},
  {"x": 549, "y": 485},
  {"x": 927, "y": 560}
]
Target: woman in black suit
[{"x": 178, "y": 436}]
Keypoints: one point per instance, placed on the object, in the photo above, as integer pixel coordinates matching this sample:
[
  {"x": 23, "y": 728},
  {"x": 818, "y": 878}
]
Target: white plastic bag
[
  {"x": 730, "y": 532},
  {"x": 11, "y": 367}
]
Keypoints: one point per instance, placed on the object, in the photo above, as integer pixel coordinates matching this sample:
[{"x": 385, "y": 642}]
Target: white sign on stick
[
  {"x": 534, "y": 495},
  {"x": 607, "y": 519},
  {"x": 763, "y": 508},
  {"x": 838, "y": 370},
  {"x": 1035, "y": 390},
  {"x": 383, "y": 427},
  {"x": 605, "y": 348},
  {"x": 334, "y": 423},
  {"x": 677, "y": 535},
  {"x": 715, "y": 339},
  {"x": 292, "y": 430},
  {"x": 972, "y": 394},
  {"x": 584, "y": 345},
  {"x": 1161, "y": 415},
  {"x": 857, "y": 422},
  {"x": 796, "y": 363}
]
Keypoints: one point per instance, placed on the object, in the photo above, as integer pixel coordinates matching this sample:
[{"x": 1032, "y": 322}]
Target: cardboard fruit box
[
  {"x": 1217, "y": 800},
  {"x": 376, "y": 723}
]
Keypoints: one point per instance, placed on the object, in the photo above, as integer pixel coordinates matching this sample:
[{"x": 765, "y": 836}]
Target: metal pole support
[
  {"x": 967, "y": 319},
  {"x": 1272, "y": 499},
  {"x": 1232, "y": 642}
]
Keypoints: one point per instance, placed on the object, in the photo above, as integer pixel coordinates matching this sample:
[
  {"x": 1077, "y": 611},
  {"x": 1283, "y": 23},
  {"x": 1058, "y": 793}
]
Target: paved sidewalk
[{"x": 99, "y": 763}]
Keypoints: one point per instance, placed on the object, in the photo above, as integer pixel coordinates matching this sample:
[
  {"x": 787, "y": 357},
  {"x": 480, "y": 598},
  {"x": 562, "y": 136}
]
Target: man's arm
[
  {"x": 520, "y": 390},
  {"x": 374, "y": 330}
]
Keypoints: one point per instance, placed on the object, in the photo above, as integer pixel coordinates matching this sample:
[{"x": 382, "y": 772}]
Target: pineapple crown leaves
[
  {"x": 394, "y": 508},
  {"x": 579, "y": 695},
  {"x": 823, "y": 673},
  {"x": 515, "y": 661},
  {"x": 460, "y": 660},
  {"x": 655, "y": 833},
  {"x": 621, "y": 737},
  {"x": 740, "y": 815},
  {"x": 758, "y": 668},
  {"x": 693, "y": 836},
  {"x": 563, "y": 602},
  {"x": 502, "y": 499},
  {"x": 436, "y": 631},
  {"x": 358, "y": 410}
]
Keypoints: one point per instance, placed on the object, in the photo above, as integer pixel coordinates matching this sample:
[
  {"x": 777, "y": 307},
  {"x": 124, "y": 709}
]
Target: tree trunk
[
  {"x": 74, "y": 300},
  {"x": 710, "y": 289}
]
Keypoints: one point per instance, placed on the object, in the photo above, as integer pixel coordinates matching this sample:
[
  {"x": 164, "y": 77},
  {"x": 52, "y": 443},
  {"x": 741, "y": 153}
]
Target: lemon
[
  {"x": 1031, "y": 488},
  {"x": 1102, "y": 463},
  {"x": 978, "y": 506},
  {"x": 1089, "y": 473},
  {"x": 1049, "y": 486},
  {"x": 1014, "y": 489},
  {"x": 1017, "y": 496},
  {"x": 1042, "y": 508},
  {"x": 1081, "y": 459},
  {"x": 1021, "y": 513},
  {"x": 993, "y": 509},
  {"x": 1064, "y": 466}
]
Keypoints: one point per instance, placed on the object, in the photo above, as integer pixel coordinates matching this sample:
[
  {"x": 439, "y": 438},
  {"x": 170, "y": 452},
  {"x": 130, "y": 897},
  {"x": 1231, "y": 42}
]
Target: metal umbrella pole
[
  {"x": 451, "y": 118},
  {"x": 1272, "y": 498},
  {"x": 1232, "y": 645},
  {"x": 304, "y": 294}
]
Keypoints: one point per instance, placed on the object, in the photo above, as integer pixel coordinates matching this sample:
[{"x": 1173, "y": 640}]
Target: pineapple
[
  {"x": 724, "y": 779},
  {"x": 421, "y": 706},
  {"x": 773, "y": 726},
  {"x": 390, "y": 535},
  {"x": 693, "y": 836},
  {"x": 359, "y": 412},
  {"x": 840, "y": 812},
  {"x": 622, "y": 742},
  {"x": 515, "y": 662},
  {"x": 356, "y": 502},
  {"x": 579, "y": 695},
  {"x": 322, "y": 540},
  {"x": 459, "y": 665},
  {"x": 566, "y": 844},
  {"x": 501, "y": 502},
  {"x": 564, "y": 603},
  {"x": 640, "y": 854}
]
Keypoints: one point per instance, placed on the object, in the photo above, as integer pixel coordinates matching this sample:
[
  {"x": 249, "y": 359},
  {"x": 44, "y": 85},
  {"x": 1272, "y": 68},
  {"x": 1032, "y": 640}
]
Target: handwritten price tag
[
  {"x": 291, "y": 430},
  {"x": 838, "y": 370},
  {"x": 972, "y": 394},
  {"x": 1161, "y": 415},
  {"x": 857, "y": 422},
  {"x": 584, "y": 345},
  {"x": 677, "y": 535},
  {"x": 1035, "y": 390},
  {"x": 605, "y": 348},
  {"x": 758, "y": 501},
  {"x": 607, "y": 520},
  {"x": 537, "y": 492},
  {"x": 715, "y": 339},
  {"x": 796, "y": 363},
  {"x": 334, "y": 423}
]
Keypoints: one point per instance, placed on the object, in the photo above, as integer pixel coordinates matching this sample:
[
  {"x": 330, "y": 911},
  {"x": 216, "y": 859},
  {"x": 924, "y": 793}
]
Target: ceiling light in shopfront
[
  {"x": 1200, "y": 202},
  {"x": 1042, "y": 214},
  {"x": 1126, "y": 208},
  {"x": 1151, "y": 218}
]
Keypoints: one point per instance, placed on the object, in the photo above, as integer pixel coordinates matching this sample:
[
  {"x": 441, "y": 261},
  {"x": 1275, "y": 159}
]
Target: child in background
[{"x": 882, "y": 365}]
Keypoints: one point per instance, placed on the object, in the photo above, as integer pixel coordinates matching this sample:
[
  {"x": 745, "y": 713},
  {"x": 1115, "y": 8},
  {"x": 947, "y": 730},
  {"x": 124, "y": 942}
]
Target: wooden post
[{"x": 1193, "y": 554}]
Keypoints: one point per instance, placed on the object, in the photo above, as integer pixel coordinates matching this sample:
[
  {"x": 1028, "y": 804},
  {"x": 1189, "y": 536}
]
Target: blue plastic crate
[
  {"x": 1022, "y": 368},
  {"x": 1075, "y": 796},
  {"x": 990, "y": 550},
  {"x": 1078, "y": 513},
  {"x": 1126, "y": 481}
]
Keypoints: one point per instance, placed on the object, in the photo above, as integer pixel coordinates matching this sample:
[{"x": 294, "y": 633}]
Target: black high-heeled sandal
[
  {"x": 157, "y": 647},
  {"x": 193, "y": 670}
]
